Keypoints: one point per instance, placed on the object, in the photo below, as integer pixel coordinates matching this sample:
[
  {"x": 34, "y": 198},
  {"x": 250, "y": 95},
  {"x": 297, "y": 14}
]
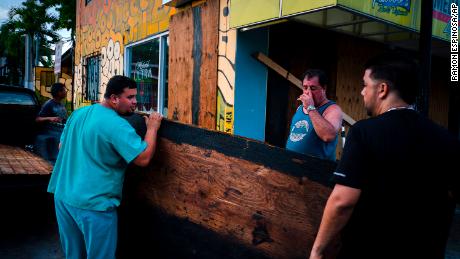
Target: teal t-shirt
[{"x": 96, "y": 147}]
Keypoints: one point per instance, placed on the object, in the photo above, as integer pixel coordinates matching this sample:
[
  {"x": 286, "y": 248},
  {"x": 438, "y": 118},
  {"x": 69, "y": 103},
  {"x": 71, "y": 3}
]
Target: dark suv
[{"x": 18, "y": 109}]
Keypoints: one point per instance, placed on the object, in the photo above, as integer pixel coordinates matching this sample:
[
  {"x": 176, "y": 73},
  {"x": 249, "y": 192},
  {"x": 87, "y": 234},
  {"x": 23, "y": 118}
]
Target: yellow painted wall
[
  {"x": 290, "y": 7},
  {"x": 43, "y": 89},
  {"x": 104, "y": 27},
  {"x": 249, "y": 11},
  {"x": 225, "y": 71}
]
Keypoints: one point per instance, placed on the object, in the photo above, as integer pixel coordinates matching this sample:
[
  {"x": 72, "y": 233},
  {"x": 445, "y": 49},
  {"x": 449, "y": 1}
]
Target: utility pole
[
  {"x": 28, "y": 77},
  {"x": 424, "y": 49},
  {"x": 37, "y": 49}
]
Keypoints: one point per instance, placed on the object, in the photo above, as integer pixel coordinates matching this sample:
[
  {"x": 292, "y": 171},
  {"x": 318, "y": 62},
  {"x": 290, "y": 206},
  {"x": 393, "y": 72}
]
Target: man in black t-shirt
[
  {"x": 47, "y": 141},
  {"x": 397, "y": 182},
  {"x": 53, "y": 110}
]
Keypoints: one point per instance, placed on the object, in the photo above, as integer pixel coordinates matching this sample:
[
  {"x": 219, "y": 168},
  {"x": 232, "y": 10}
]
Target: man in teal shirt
[{"x": 96, "y": 147}]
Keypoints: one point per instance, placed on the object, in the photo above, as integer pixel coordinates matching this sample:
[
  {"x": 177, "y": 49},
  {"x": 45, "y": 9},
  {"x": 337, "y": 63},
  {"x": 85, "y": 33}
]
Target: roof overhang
[{"x": 381, "y": 20}]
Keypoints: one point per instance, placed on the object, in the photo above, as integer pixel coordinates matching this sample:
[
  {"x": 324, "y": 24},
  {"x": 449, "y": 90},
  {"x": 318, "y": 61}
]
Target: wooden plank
[
  {"x": 209, "y": 59},
  {"x": 234, "y": 187},
  {"x": 279, "y": 69},
  {"x": 291, "y": 78},
  {"x": 16, "y": 161},
  {"x": 180, "y": 67},
  {"x": 196, "y": 54}
]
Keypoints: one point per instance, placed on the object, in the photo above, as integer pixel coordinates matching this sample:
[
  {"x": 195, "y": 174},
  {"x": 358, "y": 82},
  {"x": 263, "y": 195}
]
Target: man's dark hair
[
  {"x": 117, "y": 85},
  {"x": 56, "y": 88},
  {"x": 398, "y": 71},
  {"x": 322, "y": 77}
]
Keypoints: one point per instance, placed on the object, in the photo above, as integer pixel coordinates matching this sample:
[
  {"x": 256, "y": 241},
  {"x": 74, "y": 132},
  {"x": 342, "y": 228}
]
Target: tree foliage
[
  {"x": 33, "y": 18},
  {"x": 66, "y": 19}
]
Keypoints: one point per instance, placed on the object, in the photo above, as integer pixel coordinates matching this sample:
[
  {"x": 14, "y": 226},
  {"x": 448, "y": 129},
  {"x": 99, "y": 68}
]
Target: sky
[{"x": 6, "y": 5}]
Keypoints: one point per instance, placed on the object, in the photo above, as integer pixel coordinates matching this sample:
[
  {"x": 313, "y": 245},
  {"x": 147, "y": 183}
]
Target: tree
[
  {"x": 32, "y": 19},
  {"x": 12, "y": 47},
  {"x": 67, "y": 14}
]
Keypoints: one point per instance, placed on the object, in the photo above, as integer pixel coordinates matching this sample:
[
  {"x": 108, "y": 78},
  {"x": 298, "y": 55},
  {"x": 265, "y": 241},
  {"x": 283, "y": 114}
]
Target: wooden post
[{"x": 426, "y": 26}]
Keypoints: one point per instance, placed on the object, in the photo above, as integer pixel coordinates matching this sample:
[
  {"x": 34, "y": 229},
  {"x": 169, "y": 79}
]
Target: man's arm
[
  {"x": 153, "y": 124},
  {"x": 336, "y": 214},
  {"x": 50, "y": 119},
  {"x": 47, "y": 114},
  {"x": 327, "y": 126}
]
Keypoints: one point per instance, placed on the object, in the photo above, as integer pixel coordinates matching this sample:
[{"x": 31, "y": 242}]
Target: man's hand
[
  {"x": 306, "y": 99},
  {"x": 153, "y": 122},
  {"x": 55, "y": 119}
]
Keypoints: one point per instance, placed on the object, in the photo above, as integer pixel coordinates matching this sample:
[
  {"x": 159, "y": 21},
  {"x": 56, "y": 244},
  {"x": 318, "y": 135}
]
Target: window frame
[
  {"x": 163, "y": 38},
  {"x": 98, "y": 59}
]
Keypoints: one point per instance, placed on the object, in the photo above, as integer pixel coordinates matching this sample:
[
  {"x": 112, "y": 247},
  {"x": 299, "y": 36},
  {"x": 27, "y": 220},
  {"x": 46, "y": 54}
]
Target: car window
[{"x": 16, "y": 98}]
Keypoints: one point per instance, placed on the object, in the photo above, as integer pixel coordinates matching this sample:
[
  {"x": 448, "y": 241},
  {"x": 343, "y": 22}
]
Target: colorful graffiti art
[
  {"x": 104, "y": 27},
  {"x": 226, "y": 71},
  {"x": 396, "y": 7}
]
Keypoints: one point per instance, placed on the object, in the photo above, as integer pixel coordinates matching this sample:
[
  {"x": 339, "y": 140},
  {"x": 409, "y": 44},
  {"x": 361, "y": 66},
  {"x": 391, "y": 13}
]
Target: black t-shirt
[
  {"x": 404, "y": 166},
  {"x": 51, "y": 108}
]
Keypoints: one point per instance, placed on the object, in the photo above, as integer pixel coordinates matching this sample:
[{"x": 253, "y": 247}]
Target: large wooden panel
[
  {"x": 180, "y": 67},
  {"x": 209, "y": 57},
  {"x": 262, "y": 197},
  {"x": 193, "y": 65}
]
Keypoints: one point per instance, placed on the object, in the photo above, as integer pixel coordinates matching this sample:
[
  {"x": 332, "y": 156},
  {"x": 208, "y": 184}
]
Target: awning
[{"x": 372, "y": 16}]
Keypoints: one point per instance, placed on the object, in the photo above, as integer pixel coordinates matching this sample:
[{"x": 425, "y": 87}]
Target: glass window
[
  {"x": 147, "y": 65},
  {"x": 16, "y": 98},
  {"x": 92, "y": 78}
]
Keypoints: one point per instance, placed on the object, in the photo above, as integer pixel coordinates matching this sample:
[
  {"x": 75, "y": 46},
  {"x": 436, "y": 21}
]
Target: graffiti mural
[
  {"x": 226, "y": 71},
  {"x": 104, "y": 27}
]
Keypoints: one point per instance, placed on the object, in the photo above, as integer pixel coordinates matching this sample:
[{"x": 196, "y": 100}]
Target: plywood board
[
  {"x": 236, "y": 189},
  {"x": 180, "y": 67},
  {"x": 208, "y": 69}
]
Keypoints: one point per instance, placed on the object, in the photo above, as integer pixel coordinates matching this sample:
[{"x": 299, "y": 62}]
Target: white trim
[
  {"x": 161, "y": 76},
  {"x": 281, "y": 9},
  {"x": 161, "y": 60},
  {"x": 340, "y": 174},
  {"x": 146, "y": 39}
]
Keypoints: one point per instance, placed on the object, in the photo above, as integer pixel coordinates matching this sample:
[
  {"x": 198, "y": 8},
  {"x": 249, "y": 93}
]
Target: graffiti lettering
[{"x": 142, "y": 70}]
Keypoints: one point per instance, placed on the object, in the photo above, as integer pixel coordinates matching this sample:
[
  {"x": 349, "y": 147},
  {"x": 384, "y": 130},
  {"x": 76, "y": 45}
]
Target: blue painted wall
[{"x": 250, "y": 85}]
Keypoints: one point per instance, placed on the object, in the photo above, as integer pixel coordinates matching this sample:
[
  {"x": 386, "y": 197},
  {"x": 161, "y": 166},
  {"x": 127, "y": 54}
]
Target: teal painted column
[{"x": 250, "y": 85}]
